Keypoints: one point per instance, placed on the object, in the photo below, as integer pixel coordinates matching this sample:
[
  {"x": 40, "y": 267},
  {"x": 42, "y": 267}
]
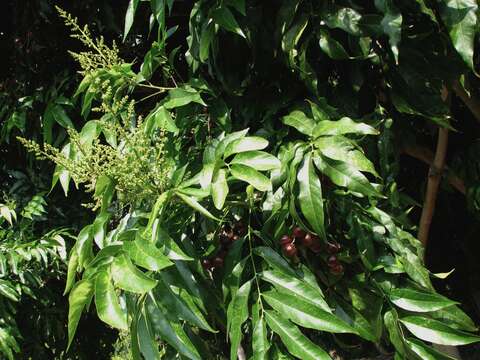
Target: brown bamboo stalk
[
  {"x": 434, "y": 177},
  {"x": 426, "y": 155}
]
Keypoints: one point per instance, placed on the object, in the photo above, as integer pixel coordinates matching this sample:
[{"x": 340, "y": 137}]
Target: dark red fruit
[
  {"x": 298, "y": 233},
  {"x": 206, "y": 264},
  {"x": 290, "y": 250},
  {"x": 240, "y": 228},
  {"x": 332, "y": 261},
  {"x": 285, "y": 239},
  {"x": 337, "y": 269},
  {"x": 333, "y": 248},
  {"x": 224, "y": 239},
  {"x": 218, "y": 261},
  {"x": 316, "y": 248}
]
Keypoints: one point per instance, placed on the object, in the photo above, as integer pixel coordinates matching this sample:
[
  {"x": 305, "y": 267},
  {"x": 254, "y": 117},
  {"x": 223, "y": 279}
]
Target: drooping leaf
[
  {"x": 182, "y": 96},
  {"x": 194, "y": 204},
  {"x": 172, "y": 334},
  {"x": 296, "y": 343},
  {"x": 299, "y": 288},
  {"x": 224, "y": 17},
  {"x": 106, "y": 301},
  {"x": 419, "y": 301},
  {"x": 127, "y": 277},
  {"x": 80, "y": 296},
  {"x": 436, "y": 332},
  {"x": 144, "y": 253},
  {"x": 344, "y": 174},
  {"x": 341, "y": 127},
  {"x": 251, "y": 176},
  {"x": 391, "y": 23},
  {"x": 425, "y": 352},
  {"x": 244, "y": 144},
  {"x": 306, "y": 314},
  {"x": 301, "y": 122},
  {"x": 237, "y": 314},
  {"x": 310, "y": 196},
  {"x": 259, "y": 160},
  {"x": 460, "y": 18},
  {"x": 219, "y": 188},
  {"x": 129, "y": 15}
]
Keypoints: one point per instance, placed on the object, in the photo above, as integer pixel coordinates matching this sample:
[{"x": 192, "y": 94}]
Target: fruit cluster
[
  {"x": 299, "y": 236},
  {"x": 227, "y": 235}
]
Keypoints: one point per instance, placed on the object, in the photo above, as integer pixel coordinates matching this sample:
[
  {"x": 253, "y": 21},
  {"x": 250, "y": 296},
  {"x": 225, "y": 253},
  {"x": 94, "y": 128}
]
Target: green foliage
[{"x": 288, "y": 117}]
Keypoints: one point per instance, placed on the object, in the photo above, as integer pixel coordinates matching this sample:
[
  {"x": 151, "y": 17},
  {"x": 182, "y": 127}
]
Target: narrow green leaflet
[
  {"x": 176, "y": 305},
  {"x": 275, "y": 260},
  {"x": 106, "y": 301},
  {"x": 237, "y": 314},
  {"x": 219, "y": 188},
  {"x": 454, "y": 317},
  {"x": 332, "y": 47},
  {"x": 419, "y": 301},
  {"x": 182, "y": 96},
  {"x": 71, "y": 270},
  {"x": 243, "y": 144},
  {"x": 224, "y": 17},
  {"x": 83, "y": 246},
  {"x": 146, "y": 340},
  {"x": 161, "y": 118},
  {"x": 296, "y": 343},
  {"x": 305, "y": 313},
  {"x": 173, "y": 335},
  {"x": 80, "y": 296},
  {"x": 341, "y": 127},
  {"x": 391, "y": 23},
  {"x": 425, "y": 352},
  {"x": 194, "y": 204},
  {"x": 301, "y": 122},
  {"x": 343, "y": 149},
  {"x": 460, "y": 18},
  {"x": 392, "y": 324},
  {"x": 259, "y": 160},
  {"x": 127, "y": 277},
  {"x": 298, "y": 288},
  {"x": 251, "y": 176},
  {"x": 436, "y": 332},
  {"x": 206, "y": 37},
  {"x": 310, "y": 196},
  {"x": 344, "y": 174},
  {"x": 260, "y": 342},
  {"x": 220, "y": 147},
  {"x": 145, "y": 254},
  {"x": 129, "y": 15}
]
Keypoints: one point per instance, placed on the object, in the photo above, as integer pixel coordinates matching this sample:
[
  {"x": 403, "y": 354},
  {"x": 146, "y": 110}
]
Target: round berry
[
  {"x": 290, "y": 250},
  {"x": 333, "y": 247},
  {"x": 206, "y": 264},
  {"x": 224, "y": 239},
  {"x": 298, "y": 233},
  {"x": 307, "y": 240},
  {"x": 332, "y": 261},
  {"x": 218, "y": 261},
  {"x": 337, "y": 269},
  {"x": 316, "y": 248},
  {"x": 285, "y": 239},
  {"x": 240, "y": 228}
]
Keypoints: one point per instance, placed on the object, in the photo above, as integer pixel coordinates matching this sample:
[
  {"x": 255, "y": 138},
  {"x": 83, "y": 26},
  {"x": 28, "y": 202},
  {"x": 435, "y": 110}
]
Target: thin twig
[
  {"x": 426, "y": 155},
  {"x": 472, "y": 103},
  {"x": 434, "y": 177}
]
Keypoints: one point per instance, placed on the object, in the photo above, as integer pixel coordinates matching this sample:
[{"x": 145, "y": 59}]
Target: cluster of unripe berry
[
  {"x": 226, "y": 237},
  {"x": 312, "y": 242}
]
